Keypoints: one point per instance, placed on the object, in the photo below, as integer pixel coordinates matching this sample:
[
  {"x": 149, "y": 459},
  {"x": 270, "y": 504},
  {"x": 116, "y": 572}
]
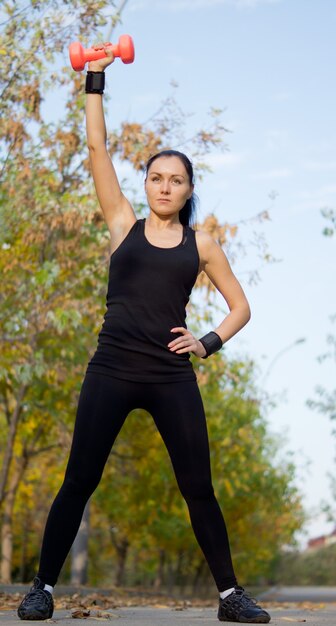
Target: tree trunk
[
  {"x": 79, "y": 551},
  {"x": 7, "y": 520},
  {"x": 122, "y": 550},
  {"x": 178, "y": 569},
  {"x": 24, "y": 543},
  {"x": 170, "y": 577},
  {"x": 13, "y": 424},
  {"x": 6, "y": 543},
  {"x": 198, "y": 576},
  {"x": 159, "y": 580}
]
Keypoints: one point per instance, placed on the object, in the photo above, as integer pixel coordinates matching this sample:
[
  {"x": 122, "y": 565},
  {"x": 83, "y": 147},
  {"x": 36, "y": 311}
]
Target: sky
[{"x": 269, "y": 65}]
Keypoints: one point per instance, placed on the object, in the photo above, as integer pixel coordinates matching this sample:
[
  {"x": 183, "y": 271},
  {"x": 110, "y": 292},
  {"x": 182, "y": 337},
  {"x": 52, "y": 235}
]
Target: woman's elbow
[
  {"x": 94, "y": 147},
  {"x": 95, "y": 143},
  {"x": 245, "y": 312},
  {"x": 248, "y": 312},
  {"x": 242, "y": 312}
]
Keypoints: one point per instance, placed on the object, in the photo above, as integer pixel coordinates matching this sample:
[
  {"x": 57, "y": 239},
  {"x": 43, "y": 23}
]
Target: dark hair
[{"x": 187, "y": 214}]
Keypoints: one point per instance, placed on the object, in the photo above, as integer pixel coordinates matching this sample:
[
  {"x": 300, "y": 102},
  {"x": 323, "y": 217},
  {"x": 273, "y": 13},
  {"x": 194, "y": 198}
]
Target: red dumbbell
[{"x": 79, "y": 55}]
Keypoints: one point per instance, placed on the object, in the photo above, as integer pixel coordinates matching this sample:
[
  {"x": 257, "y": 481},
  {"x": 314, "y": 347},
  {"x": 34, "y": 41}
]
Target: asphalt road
[
  {"x": 274, "y": 594},
  {"x": 145, "y": 616},
  {"x": 299, "y": 594},
  {"x": 314, "y": 606}
]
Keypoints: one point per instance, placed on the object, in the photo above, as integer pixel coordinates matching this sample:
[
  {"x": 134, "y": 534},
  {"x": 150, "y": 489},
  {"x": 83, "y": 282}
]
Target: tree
[
  {"x": 325, "y": 403},
  {"x": 330, "y": 216},
  {"x": 54, "y": 244},
  {"x": 325, "y": 399},
  {"x": 47, "y": 218}
]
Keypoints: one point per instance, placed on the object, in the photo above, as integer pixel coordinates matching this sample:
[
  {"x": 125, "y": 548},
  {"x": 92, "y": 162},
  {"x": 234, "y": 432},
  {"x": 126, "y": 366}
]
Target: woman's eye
[
  {"x": 155, "y": 179},
  {"x": 177, "y": 181}
]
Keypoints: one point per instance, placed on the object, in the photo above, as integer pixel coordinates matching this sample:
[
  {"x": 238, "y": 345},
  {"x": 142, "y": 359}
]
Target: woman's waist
[
  {"x": 112, "y": 340},
  {"x": 152, "y": 329},
  {"x": 137, "y": 356}
]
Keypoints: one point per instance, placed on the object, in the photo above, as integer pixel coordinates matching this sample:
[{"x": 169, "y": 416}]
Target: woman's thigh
[
  {"x": 103, "y": 405},
  {"x": 178, "y": 412}
]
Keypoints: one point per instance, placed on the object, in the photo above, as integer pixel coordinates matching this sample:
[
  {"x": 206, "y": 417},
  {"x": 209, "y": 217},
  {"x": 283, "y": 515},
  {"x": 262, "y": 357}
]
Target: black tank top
[{"x": 148, "y": 290}]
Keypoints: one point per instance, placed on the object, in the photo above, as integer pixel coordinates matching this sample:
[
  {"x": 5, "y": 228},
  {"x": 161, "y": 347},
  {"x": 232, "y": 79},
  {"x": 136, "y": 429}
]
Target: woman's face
[{"x": 167, "y": 185}]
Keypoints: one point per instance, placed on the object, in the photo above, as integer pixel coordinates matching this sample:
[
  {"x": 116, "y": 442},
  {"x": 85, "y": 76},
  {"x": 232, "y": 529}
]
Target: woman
[{"x": 142, "y": 359}]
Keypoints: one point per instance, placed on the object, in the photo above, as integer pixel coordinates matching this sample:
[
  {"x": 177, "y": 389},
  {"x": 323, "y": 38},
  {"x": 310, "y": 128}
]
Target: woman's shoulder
[
  {"x": 205, "y": 245},
  {"x": 204, "y": 239}
]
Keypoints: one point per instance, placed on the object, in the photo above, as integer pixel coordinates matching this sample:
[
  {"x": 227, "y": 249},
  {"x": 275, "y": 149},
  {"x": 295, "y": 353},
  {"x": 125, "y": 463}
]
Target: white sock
[
  {"x": 48, "y": 588},
  {"x": 224, "y": 594}
]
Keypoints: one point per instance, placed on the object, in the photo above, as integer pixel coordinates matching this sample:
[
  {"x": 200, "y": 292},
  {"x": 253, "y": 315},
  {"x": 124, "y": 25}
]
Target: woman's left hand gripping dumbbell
[{"x": 100, "y": 64}]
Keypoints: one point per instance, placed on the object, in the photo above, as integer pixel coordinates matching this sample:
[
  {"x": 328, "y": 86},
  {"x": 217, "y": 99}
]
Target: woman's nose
[{"x": 165, "y": 188}]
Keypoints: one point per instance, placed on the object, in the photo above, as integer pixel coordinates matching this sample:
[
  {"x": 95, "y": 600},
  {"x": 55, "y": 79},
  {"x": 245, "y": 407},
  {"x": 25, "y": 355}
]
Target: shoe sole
[
  {"x": 263, "y": 619},
  {"x": 34, "y": 616}
]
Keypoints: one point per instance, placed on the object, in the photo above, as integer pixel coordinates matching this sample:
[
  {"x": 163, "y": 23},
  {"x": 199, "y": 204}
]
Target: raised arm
[{"x": 117, "y": 210}]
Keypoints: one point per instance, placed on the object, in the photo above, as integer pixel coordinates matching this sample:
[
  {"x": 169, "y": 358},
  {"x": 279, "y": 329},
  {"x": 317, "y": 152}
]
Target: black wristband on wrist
[
  {"x": 95, "y": 82},
  {"x": 212, "y": 343}
]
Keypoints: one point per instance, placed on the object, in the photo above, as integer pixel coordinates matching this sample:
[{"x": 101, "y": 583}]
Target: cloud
[
  {"x": 319, "y": 166},
  {"x": 314, "y": 200},
  {"x": 328, "y": 189},
  {"x": 217, "y": 161},
  {"x": 182, "y": 5},
  {"x": 276, "y": 139},
  {"x": 271, "y": 174},
  {"x": 281, "y": 96}
]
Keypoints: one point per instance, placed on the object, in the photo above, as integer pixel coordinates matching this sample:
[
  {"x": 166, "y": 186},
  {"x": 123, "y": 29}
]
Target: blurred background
[{"x": 245, "y": 88}]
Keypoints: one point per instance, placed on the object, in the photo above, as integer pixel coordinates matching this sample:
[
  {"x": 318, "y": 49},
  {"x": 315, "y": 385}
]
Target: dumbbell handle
[{"x": 80, "y": 55}]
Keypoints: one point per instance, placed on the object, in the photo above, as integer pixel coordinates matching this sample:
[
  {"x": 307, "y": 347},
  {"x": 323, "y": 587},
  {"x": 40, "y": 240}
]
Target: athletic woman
[{"x": 142, "y": 359}]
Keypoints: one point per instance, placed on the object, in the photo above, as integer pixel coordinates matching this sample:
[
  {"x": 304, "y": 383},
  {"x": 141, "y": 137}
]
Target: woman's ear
[{"x": 192, "y": 191}]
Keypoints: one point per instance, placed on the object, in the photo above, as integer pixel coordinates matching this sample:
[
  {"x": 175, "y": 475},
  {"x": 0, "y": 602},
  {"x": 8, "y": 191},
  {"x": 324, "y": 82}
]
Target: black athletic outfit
[{"x": 132, "y": 367}]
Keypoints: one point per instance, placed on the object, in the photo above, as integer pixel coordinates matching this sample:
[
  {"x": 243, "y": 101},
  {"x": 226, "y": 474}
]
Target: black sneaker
[
  {"x": 38, "y": 603},
  {"x": 240, "y": 607}
]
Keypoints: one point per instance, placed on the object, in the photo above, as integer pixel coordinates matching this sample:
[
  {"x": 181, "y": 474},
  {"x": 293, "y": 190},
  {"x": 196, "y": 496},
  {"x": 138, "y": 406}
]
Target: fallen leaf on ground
[
  {"x": 104, "y": 615},
  {"x": 293, "y": 619},
  {"x": 99, "y": 615},
  {"x": 79, "y": 613}
]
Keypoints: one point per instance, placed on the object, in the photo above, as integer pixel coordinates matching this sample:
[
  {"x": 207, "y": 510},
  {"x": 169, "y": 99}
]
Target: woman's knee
[
  {"x": 79, "y": 484},
  {"x": 193, "y": 490}
]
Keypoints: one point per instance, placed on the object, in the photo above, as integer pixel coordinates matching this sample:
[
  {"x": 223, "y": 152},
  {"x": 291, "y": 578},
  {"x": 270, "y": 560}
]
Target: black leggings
[{"x": 177, "y": 409}]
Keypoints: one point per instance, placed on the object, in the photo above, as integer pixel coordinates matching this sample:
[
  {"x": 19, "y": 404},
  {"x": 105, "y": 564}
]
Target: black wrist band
[
  {"x": 95, "y": 82},
  {"x": 211, "y": 342}
]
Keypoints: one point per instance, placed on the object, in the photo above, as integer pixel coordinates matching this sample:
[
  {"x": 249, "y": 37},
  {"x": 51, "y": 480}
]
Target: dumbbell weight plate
[{"x": 126, "y": 48}]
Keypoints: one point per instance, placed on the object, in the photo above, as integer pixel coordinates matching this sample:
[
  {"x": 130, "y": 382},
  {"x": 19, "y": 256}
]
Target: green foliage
[
  {"x": 324, "y": 402},
  {"x": 312, "y": 567},
  {"x": 330, "y": 216},
  {"x": 53, "y": 263}
]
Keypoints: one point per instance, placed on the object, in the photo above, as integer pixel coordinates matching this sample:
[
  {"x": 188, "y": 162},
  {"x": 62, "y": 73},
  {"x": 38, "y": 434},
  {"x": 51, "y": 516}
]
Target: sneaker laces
[
  {"x": 36, "y": 594},
  {"x": 240, "y": 599}
]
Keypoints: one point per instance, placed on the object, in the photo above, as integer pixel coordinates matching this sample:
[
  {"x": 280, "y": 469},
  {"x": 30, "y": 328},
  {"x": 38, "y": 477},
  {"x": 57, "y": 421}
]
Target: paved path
[
  {"x": 299, "y": 594},
  {"x": 273, "y": 594},
  {"x": 146, "y": 616}
]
